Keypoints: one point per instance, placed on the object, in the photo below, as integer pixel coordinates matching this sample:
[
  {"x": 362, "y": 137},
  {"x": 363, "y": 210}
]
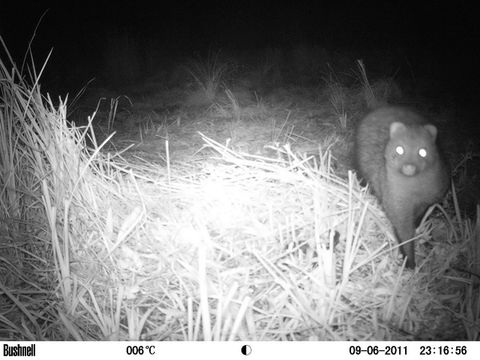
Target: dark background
[{"x": 437, "y": 40}]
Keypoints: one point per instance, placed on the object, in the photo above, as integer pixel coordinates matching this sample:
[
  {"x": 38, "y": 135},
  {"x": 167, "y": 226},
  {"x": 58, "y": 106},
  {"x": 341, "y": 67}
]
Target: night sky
[{"x": 439, "y": 41}]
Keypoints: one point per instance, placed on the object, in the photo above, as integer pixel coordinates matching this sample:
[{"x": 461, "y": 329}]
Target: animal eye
[
  {"x": 422, "y": 152},
  {"x": 400, "y": 150}
]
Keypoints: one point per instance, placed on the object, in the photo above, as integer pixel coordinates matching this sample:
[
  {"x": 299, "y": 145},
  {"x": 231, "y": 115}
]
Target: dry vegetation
[{"x": 232, "y": 246}]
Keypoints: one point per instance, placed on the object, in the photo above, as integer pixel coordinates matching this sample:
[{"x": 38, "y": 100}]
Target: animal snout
[{"x": 409, "y": 169}]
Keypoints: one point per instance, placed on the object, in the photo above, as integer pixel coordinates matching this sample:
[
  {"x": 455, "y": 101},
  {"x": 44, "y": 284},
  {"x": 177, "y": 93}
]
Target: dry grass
[
  {"x": 235, "y": 247},
  {"x": 379, "y": 93},
  {"x": 337, "y": 96},
  {"x": 209, "y": 76}
]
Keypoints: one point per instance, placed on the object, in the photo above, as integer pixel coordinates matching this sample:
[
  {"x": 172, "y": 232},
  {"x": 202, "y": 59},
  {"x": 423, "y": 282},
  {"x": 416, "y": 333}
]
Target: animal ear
[
  {"x": 397, "y": 128},
  {"x": 432, "y": 129}
]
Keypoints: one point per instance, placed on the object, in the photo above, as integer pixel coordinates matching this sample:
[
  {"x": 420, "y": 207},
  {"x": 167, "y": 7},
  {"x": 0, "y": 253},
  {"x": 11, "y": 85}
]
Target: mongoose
[{"x": 396, "y": 153}]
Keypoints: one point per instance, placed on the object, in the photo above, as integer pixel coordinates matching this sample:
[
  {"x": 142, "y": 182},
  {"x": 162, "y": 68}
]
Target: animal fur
[{"x": 396, "y": 153}]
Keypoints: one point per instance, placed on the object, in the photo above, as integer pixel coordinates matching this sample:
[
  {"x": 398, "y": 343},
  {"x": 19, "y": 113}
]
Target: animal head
[{"x": 411, "y": 148}]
